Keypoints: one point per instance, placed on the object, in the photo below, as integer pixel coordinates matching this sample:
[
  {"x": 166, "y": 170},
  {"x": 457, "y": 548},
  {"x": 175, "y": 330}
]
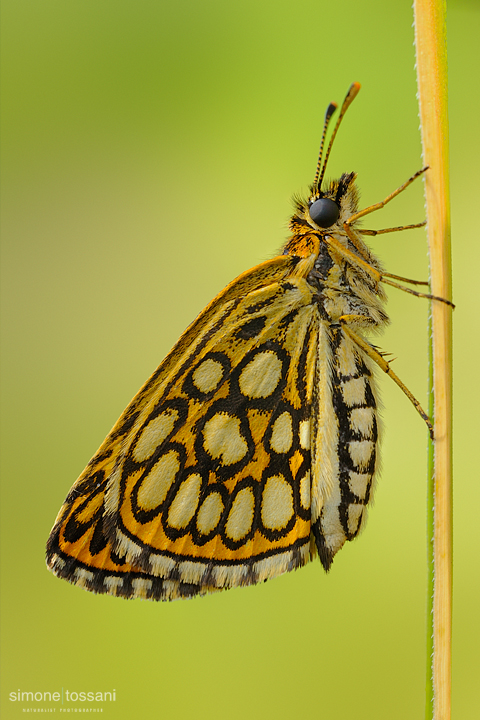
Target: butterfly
[{"x": 253, "y": 447}]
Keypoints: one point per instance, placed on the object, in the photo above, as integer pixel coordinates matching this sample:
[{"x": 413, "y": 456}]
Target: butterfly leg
[
  {"x": 382, "y": 203},
  {"x": 415, "y": 292},
  {"x": 378, "y": 358},
  {"x": 352, "y": 257},
  {"x": 375, "y": 274},
  {"x": 407, "y": 280},
  {"x": 363, "y": 231},
  {"x": 378, "y": 206}
]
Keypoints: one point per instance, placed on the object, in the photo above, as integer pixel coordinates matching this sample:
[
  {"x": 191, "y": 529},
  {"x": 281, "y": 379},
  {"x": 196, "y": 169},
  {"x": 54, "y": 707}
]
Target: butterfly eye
[{"x": 324, "y": 212}]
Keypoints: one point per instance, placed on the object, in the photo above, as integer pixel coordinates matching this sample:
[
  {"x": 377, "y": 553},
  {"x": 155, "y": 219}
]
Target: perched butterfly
[{"x": 254, "y": 446}]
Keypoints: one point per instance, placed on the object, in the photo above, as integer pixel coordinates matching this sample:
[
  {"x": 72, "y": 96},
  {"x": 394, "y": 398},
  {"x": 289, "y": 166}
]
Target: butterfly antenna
[
  {"x": 350, "y": 96},
  {"x": 330, "y": 110}
]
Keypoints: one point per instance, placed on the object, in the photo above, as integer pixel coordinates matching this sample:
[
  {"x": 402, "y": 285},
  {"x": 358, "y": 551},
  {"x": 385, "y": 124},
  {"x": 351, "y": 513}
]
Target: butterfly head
[
  {"x": 326, "y": 211},
  {"x": 331, "y": 207}
]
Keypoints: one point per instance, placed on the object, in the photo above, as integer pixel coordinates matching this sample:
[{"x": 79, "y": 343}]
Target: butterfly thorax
[{"x": 342, "y": 288}]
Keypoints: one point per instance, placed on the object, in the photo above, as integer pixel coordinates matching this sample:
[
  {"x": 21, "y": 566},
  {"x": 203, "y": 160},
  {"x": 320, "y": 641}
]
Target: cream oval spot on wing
[
  {"x": 304, "y": 434},
  {"x": 207, "y": 375},
  {"x": 154, "y": 434},
  {"x": 185, "y": 502},
  {"x": 277, "y": 503},
  {"x": 260, "y": 376},
  {"x": 155, "y": 486},
  {"x": 305, "y": 490},
  {"x": 210, "y": 513},
  {"x": 240, "y": 517},
  {"x": 222, "y": 438},
  {"x": 282, "y": 433}
]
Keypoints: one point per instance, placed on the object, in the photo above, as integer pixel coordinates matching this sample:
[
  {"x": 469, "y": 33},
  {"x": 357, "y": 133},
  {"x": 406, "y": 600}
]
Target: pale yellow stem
[{"x": 430, "y": 38}]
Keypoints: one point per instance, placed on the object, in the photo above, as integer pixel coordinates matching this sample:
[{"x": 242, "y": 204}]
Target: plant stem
[{"x": 430, "y": 40}]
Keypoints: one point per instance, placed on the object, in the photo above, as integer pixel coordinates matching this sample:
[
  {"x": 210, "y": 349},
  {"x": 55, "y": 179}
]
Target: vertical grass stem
[{"x": 430, "y": 42}]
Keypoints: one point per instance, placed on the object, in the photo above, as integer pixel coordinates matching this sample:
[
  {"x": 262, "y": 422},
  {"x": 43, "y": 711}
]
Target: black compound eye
[{"x": 324, "y": 212}]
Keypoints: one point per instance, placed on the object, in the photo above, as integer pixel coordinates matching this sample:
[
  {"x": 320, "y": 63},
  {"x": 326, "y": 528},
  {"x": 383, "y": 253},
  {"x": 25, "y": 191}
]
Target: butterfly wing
[{"x": 204, "y": 482}]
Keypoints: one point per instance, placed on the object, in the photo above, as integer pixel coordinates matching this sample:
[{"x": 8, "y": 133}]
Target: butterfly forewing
[{"x": 205, "y": 481}]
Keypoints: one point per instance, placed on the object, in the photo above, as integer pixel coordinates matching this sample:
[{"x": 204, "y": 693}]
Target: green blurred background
[{"x": 150, "y": 149}]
